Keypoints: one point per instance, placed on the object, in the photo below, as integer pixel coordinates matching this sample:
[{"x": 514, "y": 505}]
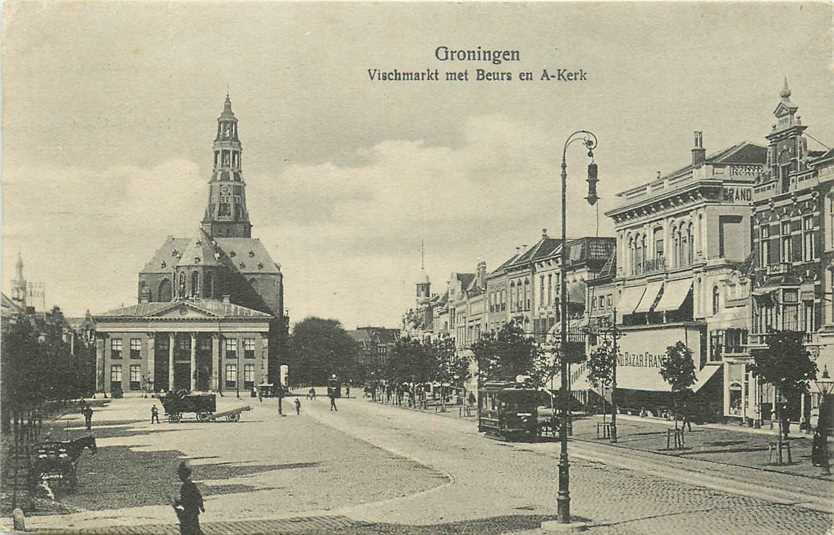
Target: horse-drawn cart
[
  {"x": 58, "y": 461},
  {"x": 204, "y": 407}
]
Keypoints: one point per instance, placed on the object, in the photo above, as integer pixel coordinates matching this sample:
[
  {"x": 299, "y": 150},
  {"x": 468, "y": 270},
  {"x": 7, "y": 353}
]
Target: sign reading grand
[{"x": 738, "y": 194}]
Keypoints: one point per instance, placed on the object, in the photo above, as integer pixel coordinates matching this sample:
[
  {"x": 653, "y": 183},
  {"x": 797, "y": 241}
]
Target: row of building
[{"x": 714, "y": 254}]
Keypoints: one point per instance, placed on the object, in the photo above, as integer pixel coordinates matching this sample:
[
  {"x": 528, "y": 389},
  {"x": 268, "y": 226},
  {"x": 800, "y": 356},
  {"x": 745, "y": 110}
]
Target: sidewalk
[{"x": 718, "y": 443}]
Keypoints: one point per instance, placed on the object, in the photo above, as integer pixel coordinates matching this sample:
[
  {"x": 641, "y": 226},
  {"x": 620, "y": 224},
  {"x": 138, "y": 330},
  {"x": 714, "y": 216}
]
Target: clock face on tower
[
  {"x": 225, "y": 190},
  {"x": 227, "y": 130}
]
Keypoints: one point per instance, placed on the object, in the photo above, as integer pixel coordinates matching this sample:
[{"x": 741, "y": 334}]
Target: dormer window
[
  {"x": 232, "y": 254},
  {"x": 163, "y": 264},
  {"x": 251, "y": 254},
  {"x": 196, "y": 259}
]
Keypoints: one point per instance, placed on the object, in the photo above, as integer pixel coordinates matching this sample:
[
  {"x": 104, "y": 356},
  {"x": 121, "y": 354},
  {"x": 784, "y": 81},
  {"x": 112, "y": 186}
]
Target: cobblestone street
[{"x": 370, "y": 468}]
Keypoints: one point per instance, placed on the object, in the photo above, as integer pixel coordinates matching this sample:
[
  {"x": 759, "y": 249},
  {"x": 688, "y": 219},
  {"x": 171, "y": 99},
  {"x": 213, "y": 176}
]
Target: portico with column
[{"x": 203, "y": 325}]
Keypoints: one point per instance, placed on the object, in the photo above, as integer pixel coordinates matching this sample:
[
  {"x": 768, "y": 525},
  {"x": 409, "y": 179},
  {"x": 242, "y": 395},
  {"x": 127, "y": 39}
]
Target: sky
[{"x": 109, "y": 112}]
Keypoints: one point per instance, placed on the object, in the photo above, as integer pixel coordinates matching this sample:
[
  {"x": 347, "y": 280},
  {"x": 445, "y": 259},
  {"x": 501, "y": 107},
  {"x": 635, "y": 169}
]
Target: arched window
[
  {"x": 512, "y": 296},
  {"x": 181, "y": 285},
  {"x": 165, "y": 293},
  {"x": 195, "y": 283},
  {"x": 690, "y": 240},
  {"x": 716, "y": 299}
]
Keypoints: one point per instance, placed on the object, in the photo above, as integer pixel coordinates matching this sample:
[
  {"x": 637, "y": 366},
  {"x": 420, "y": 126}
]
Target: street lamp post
[{"x": 589, "y": 139}]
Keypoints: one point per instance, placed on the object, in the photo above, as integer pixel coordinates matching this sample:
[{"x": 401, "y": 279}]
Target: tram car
[{"x": 508, "y": 410}]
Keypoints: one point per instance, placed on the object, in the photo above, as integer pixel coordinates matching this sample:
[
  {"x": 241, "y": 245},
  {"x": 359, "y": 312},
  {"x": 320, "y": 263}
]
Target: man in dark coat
[
  {"x": 332, "y": 395},
  {"x": 88, "y": 417},
  {"x": 190, "y": 503}
]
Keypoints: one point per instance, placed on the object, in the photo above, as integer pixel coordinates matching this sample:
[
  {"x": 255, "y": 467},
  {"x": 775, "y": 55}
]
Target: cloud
[{"x": 347, "y": 235}]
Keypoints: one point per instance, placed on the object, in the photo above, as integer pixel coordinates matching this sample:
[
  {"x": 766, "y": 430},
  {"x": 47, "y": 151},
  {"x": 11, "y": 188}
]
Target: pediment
[{"x": 183, "y": 311}]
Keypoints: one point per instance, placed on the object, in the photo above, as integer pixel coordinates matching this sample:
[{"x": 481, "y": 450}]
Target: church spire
[
  {"x": 19, "y": 282},
  {"x": 226, "y": 214}
]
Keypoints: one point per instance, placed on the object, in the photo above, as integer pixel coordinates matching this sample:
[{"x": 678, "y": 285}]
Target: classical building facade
[{"x": 210, "y": 312}]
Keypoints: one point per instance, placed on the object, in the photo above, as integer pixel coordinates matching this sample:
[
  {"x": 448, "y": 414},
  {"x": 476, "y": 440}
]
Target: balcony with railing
[{"x": 650, "y": 266}]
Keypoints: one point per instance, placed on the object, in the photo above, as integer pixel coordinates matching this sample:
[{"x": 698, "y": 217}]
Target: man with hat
[{"x": 190, "y": 503}]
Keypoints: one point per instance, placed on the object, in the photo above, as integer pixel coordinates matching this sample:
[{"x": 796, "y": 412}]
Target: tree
[
  {"x": 601, "y": 364},
  {"x": 678, "y": 369},
  {"x": 319, "y": 348},
  {"x": 787, "y": 365},
  {"x": 450, "y": 367},
  {"x": 506, "y": 354}
]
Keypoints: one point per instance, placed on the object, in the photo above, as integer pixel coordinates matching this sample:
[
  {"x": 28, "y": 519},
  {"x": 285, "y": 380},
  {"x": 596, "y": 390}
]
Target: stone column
[
  {"x": 264, "y": 373},
  {"x": 100, "y": 365},
  {"x": 171, "y": 341},
  {"x": 151, "y": 361},
  {"x": 215, "y": 362},
  {"x": 192, "y": 371}
]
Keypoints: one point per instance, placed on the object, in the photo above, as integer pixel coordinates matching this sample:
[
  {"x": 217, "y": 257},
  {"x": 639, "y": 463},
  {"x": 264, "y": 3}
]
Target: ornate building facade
[{"x": 210, "y": 312}]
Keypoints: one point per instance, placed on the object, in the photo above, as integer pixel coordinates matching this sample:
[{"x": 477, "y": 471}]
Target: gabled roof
[
  {"x": 541, "y": 249},
  {"x": 10, "y": 307},
  {"x": 465, "y": 279},
  {"x": 212, "y": 308}
]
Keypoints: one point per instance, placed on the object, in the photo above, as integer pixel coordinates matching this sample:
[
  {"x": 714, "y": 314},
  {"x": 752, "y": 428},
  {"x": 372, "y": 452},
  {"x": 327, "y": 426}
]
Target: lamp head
[{"x": 592, "y": 197}]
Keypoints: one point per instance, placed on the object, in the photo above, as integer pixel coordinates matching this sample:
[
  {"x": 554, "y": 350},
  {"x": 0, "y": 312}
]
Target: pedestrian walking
[
  {"x": 347, "y": 392},
  {"x": 189, "y": 505},
  {"x": 154, "y": 414},
  {"x": 88, "y": 417},
  {"x": 333, "y": 402},
  {"x": 260, "y": 396},
  {"x": 297, "y": 406}
]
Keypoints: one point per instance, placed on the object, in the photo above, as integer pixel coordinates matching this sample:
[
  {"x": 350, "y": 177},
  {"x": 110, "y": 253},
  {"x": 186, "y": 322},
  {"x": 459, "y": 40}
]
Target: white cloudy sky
[{"x": 109, "y": 111}]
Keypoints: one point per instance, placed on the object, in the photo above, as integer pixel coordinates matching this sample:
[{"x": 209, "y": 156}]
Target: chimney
[
  {"x": 699, "y": 154},
  {"x": 481, "y": 274},
  {"x": 227, "y": 299},
  {"x": 544, "y": 233}
]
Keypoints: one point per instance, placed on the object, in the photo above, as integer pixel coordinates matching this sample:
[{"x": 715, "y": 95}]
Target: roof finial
[{"x": 786, "y": 91}]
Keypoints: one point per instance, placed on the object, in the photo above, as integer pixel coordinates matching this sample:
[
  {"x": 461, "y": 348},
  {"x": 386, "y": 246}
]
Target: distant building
[
  {"x": 210, "y": 312},
  {"x": 375, "y": 345}
]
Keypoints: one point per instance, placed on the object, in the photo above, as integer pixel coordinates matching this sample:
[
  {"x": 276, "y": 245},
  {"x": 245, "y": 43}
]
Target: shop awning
[
  {"x": 704, "y": 376},
  {"x": 649, "y": 297},
  {"x": 629, "y": 300},
  {"x": 730, "y": 318},
  {"x": 576, "y": 293},
  {"x": 674, "y": 294}
]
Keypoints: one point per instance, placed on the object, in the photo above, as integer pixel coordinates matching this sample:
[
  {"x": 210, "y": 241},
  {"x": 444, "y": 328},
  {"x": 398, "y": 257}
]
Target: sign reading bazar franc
[{"x": 643, "y": 351}]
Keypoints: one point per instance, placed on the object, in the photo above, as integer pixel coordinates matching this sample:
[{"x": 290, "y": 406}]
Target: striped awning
[
  {"x": 629, "y": 300},
  {"x": 674, "y": 294},
  {"x": 649, "y": 297}
]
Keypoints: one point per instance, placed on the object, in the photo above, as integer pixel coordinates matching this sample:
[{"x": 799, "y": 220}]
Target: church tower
[
  {"x": 226, "y": 214},
  {"x": 19, "y": 283}
]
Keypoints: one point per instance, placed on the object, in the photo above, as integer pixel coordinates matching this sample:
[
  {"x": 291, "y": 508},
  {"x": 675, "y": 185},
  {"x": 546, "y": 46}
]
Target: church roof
[
  {"x": 210, "y": 307},
  {"x": 200, "y": 251},
  {"x": 248, "y": 255},
  {"x": 167, "y": 256}
]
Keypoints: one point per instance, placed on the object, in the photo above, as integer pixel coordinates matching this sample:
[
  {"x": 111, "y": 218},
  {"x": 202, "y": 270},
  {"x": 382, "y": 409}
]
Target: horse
[{"x": 59, "y": 460}]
